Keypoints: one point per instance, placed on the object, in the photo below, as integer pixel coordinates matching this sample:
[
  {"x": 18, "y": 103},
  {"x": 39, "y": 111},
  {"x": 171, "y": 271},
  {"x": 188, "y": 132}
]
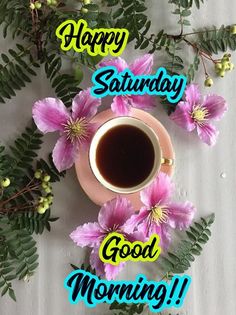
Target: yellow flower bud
[
  {"x": 32, "y": 6},
  {"x": 38, "y": 174},
  {"x": 218, "y": 66},
  {"x": 84, "y": 10},
  {"x": 41, "y": 199},
  {"x": 41, "y": 209},
  {"x": 233, "y": 29},
  {"x": 46, "y": 178},
  {"x": 48, "y": 190},
  {"x": 208, "y": 82},
  {"x": 5, "y": 182},
  {"x": 46, "y": 205},
  {"x": 38, "y": 5},
  {"x": 44, "y": 185},
  {"x": 222, "y": 73},
  {"x": 231, "y": 66},
  {"x": 86, "y": 1}
]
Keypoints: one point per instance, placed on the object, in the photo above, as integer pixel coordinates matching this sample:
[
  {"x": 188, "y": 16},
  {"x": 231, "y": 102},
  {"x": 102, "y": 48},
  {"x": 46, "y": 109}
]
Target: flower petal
[
  {"x": 142, "y": 65},
  {"x": 164, "y": 234},
  {"x": 182, "y": 116},
  {"x": 161, "y": 230},
  {"x": 88, "y": 234},
  {"x": 208, "y": 134},
  {"x": 119, "y": 63},
  {"x": 216, "y": 106},
  {"x": 192, "y": 94},
  {"x": 133, "y": 222},
  {"x": 145, "y": 102},
  {"x": 136, "y": 236},
  {"x": 159, "y": 192},
  {"x": 64, "y": 154},
  {"x": 84, "y": 142},
  {"x": 85, "y": 105},
  {"x": 120, "y": 106},
  {"x": 145, "y": 228},
  {"x": 50, "y": 114},
  {"x": 96, "y": 262},
  {"x": 111, "y": 271},
  {"x": 180, "y": 215},
  {"x": 115, "y": 213}
]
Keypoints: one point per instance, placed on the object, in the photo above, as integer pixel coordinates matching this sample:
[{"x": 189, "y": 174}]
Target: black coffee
[{"x": 125, "y": 156}]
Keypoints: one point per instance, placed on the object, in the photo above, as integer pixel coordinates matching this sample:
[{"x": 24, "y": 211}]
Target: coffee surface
[{"x": 125, "y": 156}]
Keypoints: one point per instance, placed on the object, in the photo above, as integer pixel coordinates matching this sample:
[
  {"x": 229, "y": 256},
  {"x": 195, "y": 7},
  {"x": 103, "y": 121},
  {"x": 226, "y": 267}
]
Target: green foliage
[
  {"x": 32, "y": 221},
  {"x": 176, "y": 63},
  {"x": 18, "y": 251},
  {"x": 87, "y": 268},
  {"x": 180, "y": 260},
  {"x": 23, "y": 153},
  {"x": 216, "y": 40},
  {"x": 18, "y": 255},
  {"x": 127, "y": 309},
  {"x": 19, "y": 165},
  {"x": 16, "y": 71},
  {"x": 16, "y": 15},
  {"x": 65, "y": 85},
  {"x": 193, "y": 68},
  {"x": 50, "y": 169},
  {"x": 131, "y": 15},
  {"x": 183, "y": 10}
]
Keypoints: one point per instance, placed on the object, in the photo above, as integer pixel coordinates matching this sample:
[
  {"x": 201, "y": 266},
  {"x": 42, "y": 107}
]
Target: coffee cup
[{"x": 125, "y": 155}]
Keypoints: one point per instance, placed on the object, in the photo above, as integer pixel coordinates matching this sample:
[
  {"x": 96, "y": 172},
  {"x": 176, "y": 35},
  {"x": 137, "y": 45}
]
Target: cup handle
[{"x": 165, "y": 161}]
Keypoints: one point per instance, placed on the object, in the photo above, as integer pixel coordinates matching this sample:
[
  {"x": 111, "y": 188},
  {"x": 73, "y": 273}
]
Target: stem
[
  {"x": 204, "y": 66},
  {"x": 20, "y": 54},
  {"x": 26, "y": 189},
  {"x": 201, "y": 53},
  {"x": 198, "y": 32},
  {"x": 181, "y": 23},
  {"x": 14, "y": 209}
]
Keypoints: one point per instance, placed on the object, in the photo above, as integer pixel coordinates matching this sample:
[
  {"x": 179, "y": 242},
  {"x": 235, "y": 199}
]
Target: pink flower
[
  {"x": 121, "y": 104},
  {"x": 112, "y": 217},
  {"x": 159, "y": 213},
  {"x": 195, "y": 112},
  {"x": 75, "y": 128}
]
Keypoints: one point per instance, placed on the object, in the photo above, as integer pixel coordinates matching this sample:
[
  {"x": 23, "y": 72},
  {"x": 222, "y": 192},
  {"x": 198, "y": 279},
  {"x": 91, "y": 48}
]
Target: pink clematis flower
[
  {"x": 112, "y": 217},
  {"x": 159, "y": 213},
  {"x": 195, "y": 112},
  {"x": 122, "y": 103},
  {"x": 75, "y": 128}
]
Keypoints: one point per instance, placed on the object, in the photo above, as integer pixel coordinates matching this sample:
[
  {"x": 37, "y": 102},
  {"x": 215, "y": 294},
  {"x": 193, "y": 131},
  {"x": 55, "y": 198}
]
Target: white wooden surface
[{"x": 198, "y": 178}]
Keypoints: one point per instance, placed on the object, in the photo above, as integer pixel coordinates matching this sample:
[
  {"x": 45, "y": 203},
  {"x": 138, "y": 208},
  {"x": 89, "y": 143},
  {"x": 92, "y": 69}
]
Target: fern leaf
[
  {"x": 217, "y": 40},
  {"x": 15, "y": 71},
  {"x": 181, "y": 259},
  {"x": 65, "y": 85}
]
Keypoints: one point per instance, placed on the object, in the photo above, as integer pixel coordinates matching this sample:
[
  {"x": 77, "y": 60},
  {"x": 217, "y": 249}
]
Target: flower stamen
[
  {"x": 159, "y": 214},
  {"x": 200, "y": 114},
  {"x": 76, "y": 129}
]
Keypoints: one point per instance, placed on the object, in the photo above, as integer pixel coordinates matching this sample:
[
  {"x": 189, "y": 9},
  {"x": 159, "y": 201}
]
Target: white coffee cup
[{"x": 158, "y": 158}]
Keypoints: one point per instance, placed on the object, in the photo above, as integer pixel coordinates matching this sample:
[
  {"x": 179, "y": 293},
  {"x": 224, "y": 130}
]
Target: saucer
[{"x": 91, "y": 186}]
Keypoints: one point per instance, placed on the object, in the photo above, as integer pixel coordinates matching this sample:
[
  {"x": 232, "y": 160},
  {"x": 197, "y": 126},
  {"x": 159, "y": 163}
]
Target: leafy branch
[
  {"x": 180, "y": 260},
  {"x": 25, "y": 201}
]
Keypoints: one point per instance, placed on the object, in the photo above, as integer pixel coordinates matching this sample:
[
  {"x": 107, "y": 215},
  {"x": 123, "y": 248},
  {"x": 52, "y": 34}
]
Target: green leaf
[
  {"x": 181, "y": 259},
  {"x": 118, "y": 12},
  {"x": 14, "y": 72},
  {"x": 12, "y": 294}
]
